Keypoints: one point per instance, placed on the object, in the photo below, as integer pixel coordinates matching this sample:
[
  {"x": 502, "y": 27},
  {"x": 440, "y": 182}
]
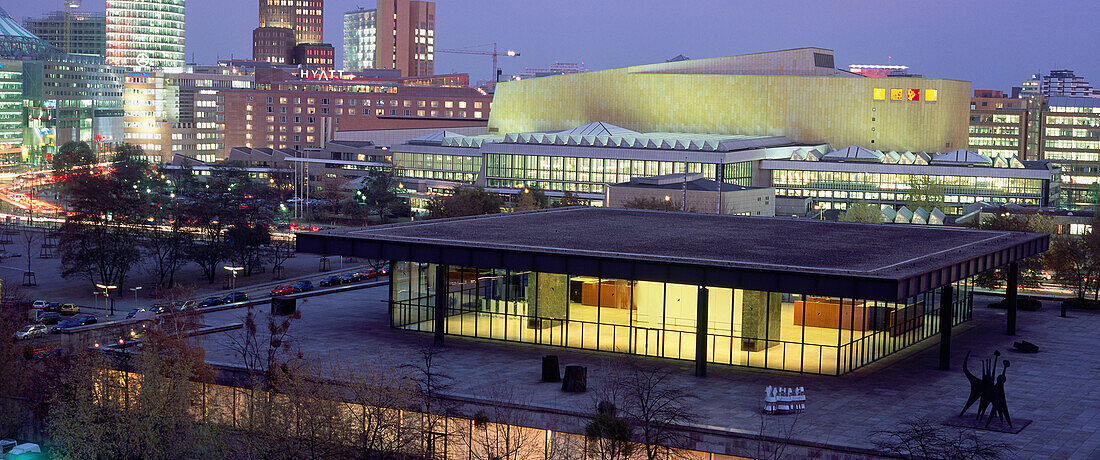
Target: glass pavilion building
[{"x": 586, "y": 278}]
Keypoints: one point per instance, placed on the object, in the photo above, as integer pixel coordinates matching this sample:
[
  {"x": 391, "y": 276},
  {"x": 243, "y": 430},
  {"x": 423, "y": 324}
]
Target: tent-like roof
[
  {"x": 17, "y": 42},
  {"x": 961, "y": 157},
  {"x": 600, "y": 134},
  {"x": 598, "y": 128},
  {"x": 854, "y": 153}
]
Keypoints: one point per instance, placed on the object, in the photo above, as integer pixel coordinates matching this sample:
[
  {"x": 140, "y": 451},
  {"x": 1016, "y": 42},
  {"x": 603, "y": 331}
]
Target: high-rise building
[
  {"x": 145, "y": 33},
  {"x": 73, "y": 32},
  {"x": 1071, "y": 138},
  {"x": 273, "y": 45},
  {"x": 169, "y": 112},
  {"x": 304, "y": 17},
  {"x": 998, "y": 124},
  {"x": 405, "y": 37},
  {"x": 359, "y": 39},
  {"x": 11, "y": 113},
  {"x": 1065, "y": 83}
]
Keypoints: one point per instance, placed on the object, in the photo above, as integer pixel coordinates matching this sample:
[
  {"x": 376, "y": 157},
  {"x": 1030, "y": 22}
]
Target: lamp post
[
  {"x": 107, "y": 295},
  {"x": 233, "y": 280},
  {"x": 135, "y": 289},
  {"x": 95, "y": 304}
]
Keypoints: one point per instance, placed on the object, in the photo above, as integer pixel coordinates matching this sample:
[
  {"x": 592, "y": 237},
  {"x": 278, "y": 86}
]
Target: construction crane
[
  {"x": 70, "y": 5},
  {"x": 493, "y": 53}
]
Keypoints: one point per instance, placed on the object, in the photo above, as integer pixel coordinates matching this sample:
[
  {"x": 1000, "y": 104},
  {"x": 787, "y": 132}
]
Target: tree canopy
[
  {"x": 466, "y": 201},
  {"x": 863, "y": 212}
]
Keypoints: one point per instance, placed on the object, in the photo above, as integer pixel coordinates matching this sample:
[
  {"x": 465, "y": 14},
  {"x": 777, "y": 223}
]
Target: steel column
[
  {"x": 1011, "y": 297},
  {"x": 946, "y": 318}
]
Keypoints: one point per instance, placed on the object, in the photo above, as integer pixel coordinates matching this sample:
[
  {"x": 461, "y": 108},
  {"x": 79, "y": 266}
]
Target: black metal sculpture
[{"x": 988, "y": 391}]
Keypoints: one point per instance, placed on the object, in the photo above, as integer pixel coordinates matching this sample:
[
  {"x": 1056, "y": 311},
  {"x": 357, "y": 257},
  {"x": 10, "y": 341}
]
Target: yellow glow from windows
[
  {"x": 880, "y": 94},
  {"x": 931, "y": 95},
  {"x": 897, "y": 94}
]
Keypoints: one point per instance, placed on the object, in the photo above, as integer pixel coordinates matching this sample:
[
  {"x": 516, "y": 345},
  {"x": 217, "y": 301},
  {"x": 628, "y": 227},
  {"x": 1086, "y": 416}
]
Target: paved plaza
[{"x": 1055, "y": 389}]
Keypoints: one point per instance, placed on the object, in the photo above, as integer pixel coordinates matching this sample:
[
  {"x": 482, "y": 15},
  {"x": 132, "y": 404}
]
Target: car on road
[
  {"x": 52, "y": 306},
  {"x": 303, "y": 286},
  {"x": 160, "y": 308},
  {"x": 351, "y": 277},
  {"x": 49, "y": 317},
  {"x": 370, "y": 274},
  {"x": 31, "y": 331},
  {"x": 235, "y": 297},
  {"x": 86, "y": 319},
  {"x": 66, "y": 324},
  {"x": 330, "y": 280},
  {"x": 39, "y": 304},
  {"x": 68, "y": 309},
  {"x": 282, "y": 289},
  {"x": 211, "y": 301},
  {"x": 134, "y": 312},
  {"x": 384, "y": 270}
]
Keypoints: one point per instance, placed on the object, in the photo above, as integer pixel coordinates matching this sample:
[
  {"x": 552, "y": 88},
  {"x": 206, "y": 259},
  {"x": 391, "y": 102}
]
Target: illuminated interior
[{"x": 792, "y": 332}]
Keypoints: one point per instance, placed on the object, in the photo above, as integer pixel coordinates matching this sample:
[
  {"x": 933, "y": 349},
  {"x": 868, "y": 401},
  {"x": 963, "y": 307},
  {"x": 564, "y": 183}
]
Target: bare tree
[
  {"x": 657, "y": 406},
  {"x": 922, "y": 438},
  {"x": 377, "y": 393},
  {"x": 282, "y": 249},
  {"x": 30, "y": 237},
  {"x": 430, "y": 383},
  {"x": 774, "y": 436},
  {"x": 500, "y": 432}
]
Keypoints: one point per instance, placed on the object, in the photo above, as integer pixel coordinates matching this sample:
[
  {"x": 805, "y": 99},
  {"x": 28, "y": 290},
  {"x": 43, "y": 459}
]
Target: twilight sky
[{"x": 994, "y": 43}]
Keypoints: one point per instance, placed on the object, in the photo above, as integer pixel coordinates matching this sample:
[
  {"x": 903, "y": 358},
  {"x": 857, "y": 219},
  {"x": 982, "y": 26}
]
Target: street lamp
[
  {"x": 95, "y": 304},
  {"x": 107, "y": 295},
  {"x": 233, "y": 280},
  {"x": 135, "y": 289}
]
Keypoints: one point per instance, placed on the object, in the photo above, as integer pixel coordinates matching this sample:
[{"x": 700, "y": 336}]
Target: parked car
[
  {"x": 303, "y": 286},
  {"x": 351, "y": 277},
  {"x": 49, "y": 317},
  {"x": 134, "y": 312},
  {"x": 370, "y": 274},
  {"x": 31, "y": 331},
  {"x": 68, "y": 309},
  {"x": 66, "y": 324},
  {"x": 282, "y": 289},
  {"x": 86, "y": 319},
  {"x": 330, "y": 280},
  {"x": 52, "y": 306},
  {"x": 211, "y": 301},
  {"x": 160, "y": 308},
  {"x": 39, "y": 304},
  {"x": 235, "y": 297}
]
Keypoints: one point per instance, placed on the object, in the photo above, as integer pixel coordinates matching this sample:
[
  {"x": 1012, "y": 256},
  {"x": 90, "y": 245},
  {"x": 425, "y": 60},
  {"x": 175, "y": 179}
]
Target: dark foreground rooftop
[{"x": 872, "y": 261}]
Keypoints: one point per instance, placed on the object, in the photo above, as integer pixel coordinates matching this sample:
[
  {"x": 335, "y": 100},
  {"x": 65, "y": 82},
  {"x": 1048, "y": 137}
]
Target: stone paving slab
[{"x": 1056, "y": 388}]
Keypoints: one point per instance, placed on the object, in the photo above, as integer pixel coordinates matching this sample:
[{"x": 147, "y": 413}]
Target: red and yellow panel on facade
[
  {"x": 897, "y": 94},
  {"x": 912, "y": 95}
]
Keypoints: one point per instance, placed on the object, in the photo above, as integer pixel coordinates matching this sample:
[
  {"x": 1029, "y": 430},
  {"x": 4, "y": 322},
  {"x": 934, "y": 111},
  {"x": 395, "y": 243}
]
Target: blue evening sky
[{"x": 994, "y": 43}]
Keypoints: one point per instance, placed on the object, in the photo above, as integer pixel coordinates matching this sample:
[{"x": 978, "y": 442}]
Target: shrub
[{"x": 1081, "y": 304}]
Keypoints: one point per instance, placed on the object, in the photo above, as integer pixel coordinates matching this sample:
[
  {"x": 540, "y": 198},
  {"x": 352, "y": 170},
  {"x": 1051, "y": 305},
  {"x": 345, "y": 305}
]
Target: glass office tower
[
  {"x": 145, "y": 33},
  {"x": 811, "y": 334}
]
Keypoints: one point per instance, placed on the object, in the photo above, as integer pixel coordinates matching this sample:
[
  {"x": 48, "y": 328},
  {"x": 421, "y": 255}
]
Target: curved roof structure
[{"x": 17, "y": 42}]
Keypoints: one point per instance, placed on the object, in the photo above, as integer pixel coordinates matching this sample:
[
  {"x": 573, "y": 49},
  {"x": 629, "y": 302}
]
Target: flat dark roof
[{"x": 871, "y": 261}]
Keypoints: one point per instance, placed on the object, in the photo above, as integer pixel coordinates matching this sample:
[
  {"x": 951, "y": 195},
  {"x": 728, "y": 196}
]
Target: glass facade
[
  {"x": 819, "y": 335},
  {"x": 577, "y": 174},
  {"x": 461, "y": 168},
  {"x": 1071, "y": 138},
  {"x": 837, "y": 189}
]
